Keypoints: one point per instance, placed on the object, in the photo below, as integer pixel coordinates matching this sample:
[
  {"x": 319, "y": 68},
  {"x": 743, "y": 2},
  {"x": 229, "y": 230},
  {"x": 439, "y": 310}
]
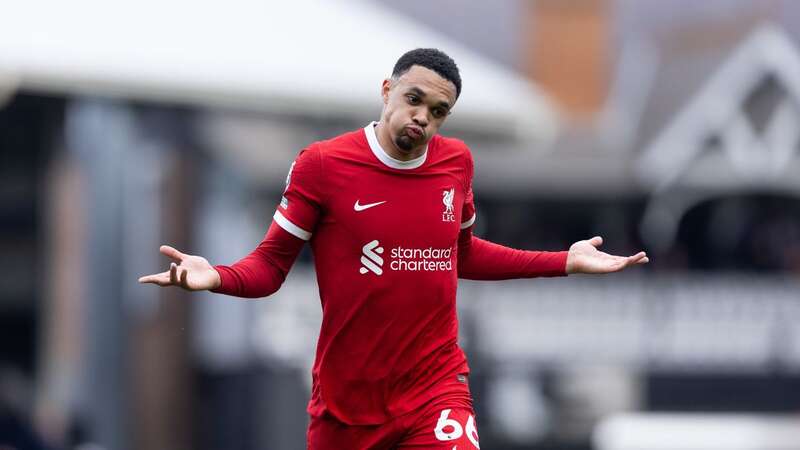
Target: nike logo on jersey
[{"x": 358, "y": 207}]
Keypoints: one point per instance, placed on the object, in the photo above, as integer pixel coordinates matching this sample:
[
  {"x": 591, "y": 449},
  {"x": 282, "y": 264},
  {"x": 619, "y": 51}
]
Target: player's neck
[{"x": 388, "y": 146}]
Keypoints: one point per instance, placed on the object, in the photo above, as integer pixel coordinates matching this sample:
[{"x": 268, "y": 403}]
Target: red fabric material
[
  {"x": 483, "y": 260},
  {"x": 262, "y": 272},
  {"x": 445, "y": 423},
  {"x": 386, "y": 273},
  {"x": 388, "y": 249}
]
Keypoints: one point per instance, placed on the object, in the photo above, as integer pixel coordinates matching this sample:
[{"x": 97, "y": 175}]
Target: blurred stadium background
[{"x": 668, "y": 126}]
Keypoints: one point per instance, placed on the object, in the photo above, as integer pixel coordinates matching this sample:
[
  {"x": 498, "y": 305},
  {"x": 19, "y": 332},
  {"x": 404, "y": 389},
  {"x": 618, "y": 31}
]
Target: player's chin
[{"x": 405, "y": 143}]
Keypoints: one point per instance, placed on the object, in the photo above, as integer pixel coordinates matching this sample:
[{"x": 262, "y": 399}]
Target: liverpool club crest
[{"x": 447, "y": 198}]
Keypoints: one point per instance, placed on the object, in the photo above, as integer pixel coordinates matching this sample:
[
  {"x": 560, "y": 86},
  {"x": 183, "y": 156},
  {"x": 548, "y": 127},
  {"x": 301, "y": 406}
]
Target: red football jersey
[{"x": 384, "y": 234}]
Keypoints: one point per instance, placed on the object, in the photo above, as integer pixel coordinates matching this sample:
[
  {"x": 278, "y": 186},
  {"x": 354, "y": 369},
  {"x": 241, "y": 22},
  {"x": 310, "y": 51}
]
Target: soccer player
[{"x": 388, "y": 211}]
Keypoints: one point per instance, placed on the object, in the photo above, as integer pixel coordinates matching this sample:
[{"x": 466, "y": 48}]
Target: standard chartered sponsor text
[{"x": 421, "y": 259}]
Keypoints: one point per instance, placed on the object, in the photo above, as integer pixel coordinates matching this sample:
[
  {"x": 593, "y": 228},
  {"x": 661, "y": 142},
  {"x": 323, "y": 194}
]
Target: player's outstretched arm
[
  {"x": 584, "y": 257},
  {"x": 259, "y": 274},
  {"x": 190, "y": 272}
]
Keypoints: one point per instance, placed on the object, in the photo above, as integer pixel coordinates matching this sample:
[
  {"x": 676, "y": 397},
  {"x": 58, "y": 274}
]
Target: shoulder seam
[
  {"x": 325, "y": 191},
  {"x": 469, "y": 171}
]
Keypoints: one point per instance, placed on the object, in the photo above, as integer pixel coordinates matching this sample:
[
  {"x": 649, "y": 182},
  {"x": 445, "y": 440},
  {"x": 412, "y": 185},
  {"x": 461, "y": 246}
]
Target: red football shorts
[{"x": 439, "y": 424}]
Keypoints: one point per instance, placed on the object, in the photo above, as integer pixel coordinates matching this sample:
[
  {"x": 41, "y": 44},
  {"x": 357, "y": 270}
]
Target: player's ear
[{"x": 385, "y": 87}]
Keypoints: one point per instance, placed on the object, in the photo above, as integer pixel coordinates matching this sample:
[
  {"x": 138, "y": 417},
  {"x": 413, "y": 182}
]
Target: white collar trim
[{"x": 384, "y": 157}]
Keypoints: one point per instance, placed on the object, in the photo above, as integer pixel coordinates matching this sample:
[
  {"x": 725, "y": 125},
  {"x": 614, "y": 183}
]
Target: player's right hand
[{"x": 190, "y": 272}]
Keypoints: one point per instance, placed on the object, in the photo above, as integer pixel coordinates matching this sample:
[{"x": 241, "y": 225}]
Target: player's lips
[{"x": 414, "y": 132}]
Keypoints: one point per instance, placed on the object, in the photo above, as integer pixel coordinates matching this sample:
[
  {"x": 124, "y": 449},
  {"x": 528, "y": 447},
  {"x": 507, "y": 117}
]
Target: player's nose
[{"x": 420, "y": 118}]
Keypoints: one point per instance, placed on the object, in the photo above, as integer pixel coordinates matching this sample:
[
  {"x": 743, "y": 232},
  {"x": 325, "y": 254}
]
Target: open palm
[
  {"x": 584, "y": 257},
  {"x": 190, "y": 272}
]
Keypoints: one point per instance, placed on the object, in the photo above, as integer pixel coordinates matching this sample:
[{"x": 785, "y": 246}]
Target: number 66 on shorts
[{"x": 449, "y": 429}]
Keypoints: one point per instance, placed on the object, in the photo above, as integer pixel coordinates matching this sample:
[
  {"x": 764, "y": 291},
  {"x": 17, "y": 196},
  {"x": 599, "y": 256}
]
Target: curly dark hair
[{"x": 433, "y": 59}]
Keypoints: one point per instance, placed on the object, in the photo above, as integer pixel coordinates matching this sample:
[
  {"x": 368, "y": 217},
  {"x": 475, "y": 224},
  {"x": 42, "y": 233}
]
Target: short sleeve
[
  {"x": 468, "y": 209},
  {"x": 301, "y": 203}
]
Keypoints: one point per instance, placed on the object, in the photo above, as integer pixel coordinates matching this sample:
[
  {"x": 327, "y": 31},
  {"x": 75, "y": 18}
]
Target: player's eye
[
  {"x": 412, "y": 99},
  {"x": 439, "y": 112}
]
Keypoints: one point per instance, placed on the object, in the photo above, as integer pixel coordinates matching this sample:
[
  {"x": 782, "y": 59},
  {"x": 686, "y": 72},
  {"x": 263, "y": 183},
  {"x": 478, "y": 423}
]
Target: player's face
[{"x": 415, "y": 106}]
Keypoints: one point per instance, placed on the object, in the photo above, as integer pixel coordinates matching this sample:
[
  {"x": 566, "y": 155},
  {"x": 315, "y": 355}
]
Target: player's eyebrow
[{"x": 419, "y": 92}]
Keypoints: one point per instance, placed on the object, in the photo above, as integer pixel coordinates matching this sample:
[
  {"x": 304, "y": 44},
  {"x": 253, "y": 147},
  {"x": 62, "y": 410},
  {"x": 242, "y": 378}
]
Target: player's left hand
[{"x": 584, "y": 257}]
